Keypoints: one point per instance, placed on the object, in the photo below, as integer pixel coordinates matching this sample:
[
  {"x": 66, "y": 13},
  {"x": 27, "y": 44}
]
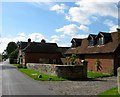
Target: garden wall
[
  {"x": 65, "y": 71},
  {"x": 118, "y": 79}
]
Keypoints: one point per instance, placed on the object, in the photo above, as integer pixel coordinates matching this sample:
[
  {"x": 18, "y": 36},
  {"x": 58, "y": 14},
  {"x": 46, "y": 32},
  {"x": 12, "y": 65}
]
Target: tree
[
  {"x": 4, "y": 55},
  {"x": 13, "y": 56},
  {"x": 12, "y": 46},
  {"x": 71, "y": 59}
]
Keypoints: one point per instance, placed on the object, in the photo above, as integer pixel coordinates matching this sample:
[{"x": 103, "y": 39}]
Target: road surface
[
  {"x": 0, "y": 79},
  {"x": 16, "y": 83}
]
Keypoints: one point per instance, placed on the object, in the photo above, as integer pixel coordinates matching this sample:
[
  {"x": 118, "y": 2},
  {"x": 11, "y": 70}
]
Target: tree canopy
[{"x": 12, "y": 46}]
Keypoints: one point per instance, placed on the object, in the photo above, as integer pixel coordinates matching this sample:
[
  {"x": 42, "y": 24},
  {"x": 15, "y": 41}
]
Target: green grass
[
  {"x": 34, "y": 74},
  {"x": 96, "y": 75},
  {"x": 16, "y": 65},
  {"x": 112, "y": 92}
]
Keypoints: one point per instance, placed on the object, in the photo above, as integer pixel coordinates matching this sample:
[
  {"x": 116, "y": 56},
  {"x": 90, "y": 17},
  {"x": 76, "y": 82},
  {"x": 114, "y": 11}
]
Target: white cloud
[
  {"x": 69, "y": 30},
  {"x": 3, "y": 43},
  {"x": 84, "y": 28},
  {"x": 111, "y": 25},
  {"x": 72, "y": 29},
  {"x": 80, "y": 36},
  {"x": 55, "y": 39},
  {"x": 64, "y": 44},
  {"x": 20, "y": 37},
  {"x": 85, "y": 10},
  {"x": 59, "y": 8},
  {"x": 22, "y": 34},
  {"x": 76, "y": 15},
  {"x": 36, "y": 37}
]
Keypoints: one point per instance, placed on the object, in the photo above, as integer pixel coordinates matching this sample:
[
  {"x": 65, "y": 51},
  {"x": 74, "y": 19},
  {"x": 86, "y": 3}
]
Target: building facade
[
  {"x": 102, "y": 51},
  {"x": 40, "y": 52}
]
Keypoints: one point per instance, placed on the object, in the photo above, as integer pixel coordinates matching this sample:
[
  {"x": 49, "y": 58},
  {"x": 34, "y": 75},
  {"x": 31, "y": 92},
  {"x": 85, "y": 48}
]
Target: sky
[{"x": 55, "y": 21}]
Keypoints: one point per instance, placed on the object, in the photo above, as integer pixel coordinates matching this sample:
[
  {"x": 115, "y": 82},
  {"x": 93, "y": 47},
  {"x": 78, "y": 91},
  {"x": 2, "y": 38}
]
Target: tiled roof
[
  {"x": 39, "y": 47},
  {"x": 108, "y": 47},
  {"x": 63, "y": 50}
]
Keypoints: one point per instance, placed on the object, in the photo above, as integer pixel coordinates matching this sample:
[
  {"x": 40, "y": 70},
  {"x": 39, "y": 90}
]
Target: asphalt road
[
  {"x": 0, "y": 79},
  {"x": 16, "y": 83}
]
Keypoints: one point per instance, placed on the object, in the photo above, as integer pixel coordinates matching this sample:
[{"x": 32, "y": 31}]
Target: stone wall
[
  {"x": 118, "y": 79},
  {"x": 65, "y": 71}
]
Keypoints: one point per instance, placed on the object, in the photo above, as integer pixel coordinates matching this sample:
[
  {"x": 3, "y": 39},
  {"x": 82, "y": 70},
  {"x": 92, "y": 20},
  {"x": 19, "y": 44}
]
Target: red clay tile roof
[{"x": 108, "y": 47}]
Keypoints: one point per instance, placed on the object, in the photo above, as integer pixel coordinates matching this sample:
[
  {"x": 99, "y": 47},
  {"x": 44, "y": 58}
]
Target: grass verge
[
  {"x": 43, "y": 77},
  {"x": 39, "y": 76},
  {"x": 110, "y": 93},
  {"x": 96, "y": 75}
]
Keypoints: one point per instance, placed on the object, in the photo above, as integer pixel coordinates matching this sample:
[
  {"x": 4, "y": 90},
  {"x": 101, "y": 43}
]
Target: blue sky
[{"x": 55, "y": 21}]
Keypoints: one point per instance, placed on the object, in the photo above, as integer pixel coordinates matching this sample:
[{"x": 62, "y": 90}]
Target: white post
[{"x": 118, "y": 79}]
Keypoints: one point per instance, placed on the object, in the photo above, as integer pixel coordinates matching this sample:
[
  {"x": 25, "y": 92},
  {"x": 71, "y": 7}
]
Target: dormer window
[
  {"x": 76, "y": 42},
  {"x": 91, "y": 42},
  {"x": 101, "y": 41}
]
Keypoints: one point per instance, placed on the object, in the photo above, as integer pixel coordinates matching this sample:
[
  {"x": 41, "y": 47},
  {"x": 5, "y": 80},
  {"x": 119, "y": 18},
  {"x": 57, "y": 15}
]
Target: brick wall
[
  {"x": 106, "y": 60},
  {"x": 35, "y": 57},
  {"x": 65, "y": 71}
]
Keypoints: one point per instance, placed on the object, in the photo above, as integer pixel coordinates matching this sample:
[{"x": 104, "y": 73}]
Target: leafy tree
[
  {"x": 12, "y": 46},
  {"x": 4, "y": 55},
  {"x": 13, "y": 57},
  {"x": 14, "y": 54},
  {"x": 71, "y": 59}
]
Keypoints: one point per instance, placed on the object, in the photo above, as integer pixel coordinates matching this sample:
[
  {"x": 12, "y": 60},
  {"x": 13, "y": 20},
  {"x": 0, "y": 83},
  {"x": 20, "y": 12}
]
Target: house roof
[
  {"x": 63, "y": 50},
  {"x": 76, "y": 39},
  {"x": 76, "y": 42},
  {"x": 109, "y": 47},
  {"x": 93, "y": 36},
  {"x": 39, "y": 47}
]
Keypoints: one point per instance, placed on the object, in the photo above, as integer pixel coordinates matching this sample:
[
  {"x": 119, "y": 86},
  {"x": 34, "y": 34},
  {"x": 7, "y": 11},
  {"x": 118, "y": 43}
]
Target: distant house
[
  {"x": 103, "y": 48},
  {"x": 39, "y": 52}
]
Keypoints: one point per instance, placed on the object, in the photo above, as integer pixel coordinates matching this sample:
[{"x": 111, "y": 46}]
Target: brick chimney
[
  {"x": 43, "y": 41},
  {"x": 29, "y": 40}
]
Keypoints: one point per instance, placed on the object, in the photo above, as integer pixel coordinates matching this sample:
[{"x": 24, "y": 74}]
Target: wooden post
[{"x": 118, "y": 79}]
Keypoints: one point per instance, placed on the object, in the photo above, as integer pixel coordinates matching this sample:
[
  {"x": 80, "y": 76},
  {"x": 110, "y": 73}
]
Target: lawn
[
  {"x": 43, "y": 77},
  {"x": 39, "y": 76},
  {"x": 96, "y": 75},
  {"x": 110, "y": 93}
]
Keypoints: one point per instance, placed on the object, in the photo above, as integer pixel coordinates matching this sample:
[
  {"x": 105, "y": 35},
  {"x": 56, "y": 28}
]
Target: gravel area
[{"x": 90, "y": 87}]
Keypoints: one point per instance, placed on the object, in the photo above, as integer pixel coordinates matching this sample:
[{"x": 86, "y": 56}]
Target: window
[
  {"x": 101, "y": 41},
  {"x": 91, "y": 42}
]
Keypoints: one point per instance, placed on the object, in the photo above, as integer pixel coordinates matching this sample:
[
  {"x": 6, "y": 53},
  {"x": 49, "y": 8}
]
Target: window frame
[{"x": 91, "y": 42}]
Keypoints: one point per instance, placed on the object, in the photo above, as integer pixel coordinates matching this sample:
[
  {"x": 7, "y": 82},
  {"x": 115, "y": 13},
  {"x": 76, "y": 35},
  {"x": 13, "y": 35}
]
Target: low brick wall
[
  {"x": 65, "y": 71},
  {"x": 118, "y": 79}
]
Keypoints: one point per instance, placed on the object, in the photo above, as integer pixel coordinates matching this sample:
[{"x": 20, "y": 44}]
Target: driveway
[{"x": 91, "y": 87}]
